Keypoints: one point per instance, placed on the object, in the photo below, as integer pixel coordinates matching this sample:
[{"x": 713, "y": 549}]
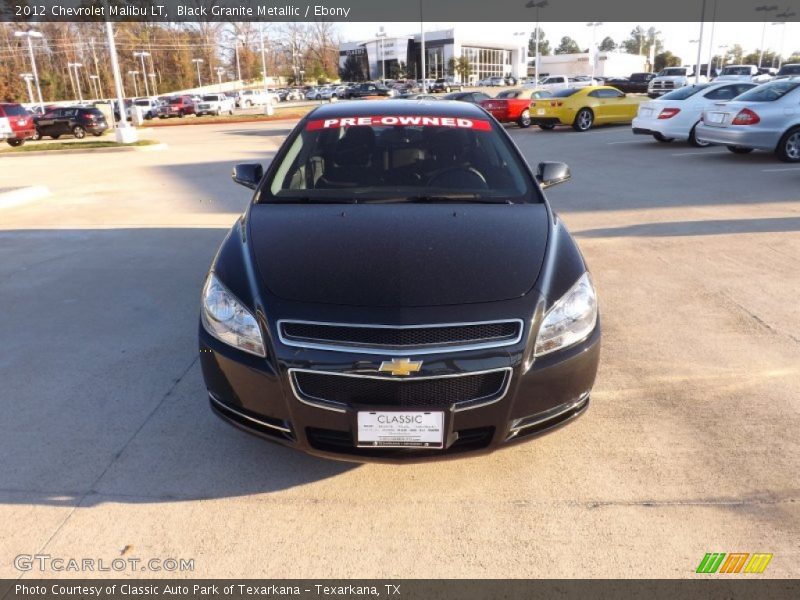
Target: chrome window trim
[
  {"x": 224, "y": 406},
  {"x": 341, "y": 408},
  {"x": 397, "y": 350}
]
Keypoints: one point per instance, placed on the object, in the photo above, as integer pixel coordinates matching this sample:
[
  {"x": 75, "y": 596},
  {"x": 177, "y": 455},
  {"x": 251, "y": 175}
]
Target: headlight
[
  {"x": 227, "y": 319},
  {"x": 570, "y": 320}
]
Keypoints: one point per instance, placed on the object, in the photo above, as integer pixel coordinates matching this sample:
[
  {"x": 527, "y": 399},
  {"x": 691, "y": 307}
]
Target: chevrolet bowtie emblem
[{"x": 400, "y": 366}]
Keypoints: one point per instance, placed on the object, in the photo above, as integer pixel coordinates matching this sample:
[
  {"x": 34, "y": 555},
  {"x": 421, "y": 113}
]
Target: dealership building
[{"x": 381, "y": 57}]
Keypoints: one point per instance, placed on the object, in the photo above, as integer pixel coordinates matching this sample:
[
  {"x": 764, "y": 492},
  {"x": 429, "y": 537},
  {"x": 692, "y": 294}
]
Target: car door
[
  {"x": 66, "y": 120},
  {"x": 46, "y": 123},
  {"x": 622, "y": 107}
]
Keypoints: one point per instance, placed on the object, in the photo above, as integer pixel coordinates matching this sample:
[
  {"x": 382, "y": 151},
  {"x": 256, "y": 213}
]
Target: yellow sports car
[{"x": 584, "y": 107}]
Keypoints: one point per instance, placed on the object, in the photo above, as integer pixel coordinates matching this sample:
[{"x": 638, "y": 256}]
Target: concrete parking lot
[{"x": 690, "y": 444}]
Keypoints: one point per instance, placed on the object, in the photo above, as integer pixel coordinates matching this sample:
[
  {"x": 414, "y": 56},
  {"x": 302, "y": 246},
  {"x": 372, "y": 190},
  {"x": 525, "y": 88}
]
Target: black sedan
[
  {"x": 399, "y": 289},
  {"x": 71, "y": 120},
  {"x": 471, "y": 97}
]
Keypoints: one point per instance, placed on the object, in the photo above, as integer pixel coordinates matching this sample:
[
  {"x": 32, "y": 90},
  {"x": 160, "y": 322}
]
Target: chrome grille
[{"x": 389, "y": 339}]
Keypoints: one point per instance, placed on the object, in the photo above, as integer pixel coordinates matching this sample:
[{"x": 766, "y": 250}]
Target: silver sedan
[{"x": 765, "y": 118}]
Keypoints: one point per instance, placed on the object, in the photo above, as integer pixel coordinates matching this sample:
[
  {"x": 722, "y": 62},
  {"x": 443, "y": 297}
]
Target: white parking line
[
  {"x": 780, "y": 170},
  {"x": 628, "y": 142},
  {"x": 697, "y": 153}
]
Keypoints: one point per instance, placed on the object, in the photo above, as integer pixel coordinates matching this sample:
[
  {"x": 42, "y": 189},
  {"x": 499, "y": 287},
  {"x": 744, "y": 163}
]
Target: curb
[
  {"x": 152, "y": 147},
  {"x": 23, "y": 195},
  {"x": 194, "y": 123}
]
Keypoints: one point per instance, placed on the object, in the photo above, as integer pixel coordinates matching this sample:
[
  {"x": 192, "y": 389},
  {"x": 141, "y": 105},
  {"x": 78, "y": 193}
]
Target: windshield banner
[{"x": 399, "y": 120}]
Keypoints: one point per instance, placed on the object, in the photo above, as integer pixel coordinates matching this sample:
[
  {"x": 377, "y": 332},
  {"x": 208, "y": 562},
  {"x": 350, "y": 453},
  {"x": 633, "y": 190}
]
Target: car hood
[{"x": 398, "y": 254}]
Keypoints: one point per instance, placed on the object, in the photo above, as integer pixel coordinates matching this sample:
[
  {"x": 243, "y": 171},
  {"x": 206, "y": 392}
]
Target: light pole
[
  {"x": 236, "y": 40},
  {"x": 220, "y": 71},
  {"x": 198, "y": 62},
  {"x": 30, "y": 35},
  {"x": 134, "y": 75},
  {"x": 422, "y": 47},
  {"x": 525, "y": 35},
  {"x": 700, "y": 44},
  {"x": 537, "y": 5},
  {"x": 711, "y": 42},
  {"x": 593, "y": 50},
  {"x": 268, "y": 108},
  {"x": 766, "y": 10},
  {"x": 152, "y": 77},
  {"x": 724, "y": 48},
  {"x": 95, "y": 81},
  {"x": 380, "y": 36},
  {"x": 785, "y": 16},
  {"x": 123, "y": 134},
  {"x": 28, "y": 77},
  {"x": 141, "y": 55},
  {"x": 77, "y": 66}
]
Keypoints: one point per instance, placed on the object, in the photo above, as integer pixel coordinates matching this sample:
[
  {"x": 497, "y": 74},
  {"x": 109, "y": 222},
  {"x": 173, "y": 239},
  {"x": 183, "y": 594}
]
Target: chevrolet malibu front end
[{"x": 399, "y": 289}]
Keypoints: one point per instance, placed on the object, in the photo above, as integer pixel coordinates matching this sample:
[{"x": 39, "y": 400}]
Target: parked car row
[{"x": 740, "y": 115}]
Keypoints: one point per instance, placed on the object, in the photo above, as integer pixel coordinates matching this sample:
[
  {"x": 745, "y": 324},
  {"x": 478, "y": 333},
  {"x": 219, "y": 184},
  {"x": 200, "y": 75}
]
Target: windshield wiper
[{"x": 434, "y": 198}]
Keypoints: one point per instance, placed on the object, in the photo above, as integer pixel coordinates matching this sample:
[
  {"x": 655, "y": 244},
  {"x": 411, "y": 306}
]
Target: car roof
[{"x": 358, "y": 108}]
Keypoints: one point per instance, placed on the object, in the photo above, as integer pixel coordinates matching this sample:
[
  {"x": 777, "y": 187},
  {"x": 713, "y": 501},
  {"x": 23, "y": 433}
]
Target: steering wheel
[{"x": 458, "y": 177}]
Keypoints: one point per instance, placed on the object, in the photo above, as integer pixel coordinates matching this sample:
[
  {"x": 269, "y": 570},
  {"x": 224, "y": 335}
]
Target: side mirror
[
  {"x": 248, "y": 174},
  {"x": 549, "y": 174}
]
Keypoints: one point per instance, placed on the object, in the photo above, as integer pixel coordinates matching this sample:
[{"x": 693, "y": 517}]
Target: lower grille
[
  {"x": 342, "y": 442},
  {"x": 463, "y": 391}
]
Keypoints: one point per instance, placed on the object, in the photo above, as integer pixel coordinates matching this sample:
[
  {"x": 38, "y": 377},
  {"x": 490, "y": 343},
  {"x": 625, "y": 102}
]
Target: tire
[
  {"x": 162, "y": 116},
  {"x": 789, "y": 146},
  {"x": 55, "y": 136},
  {"x": 334, "y": 98},
  {"x": 98, "y": 134},
  {"x": 524, "y": 120},
  {"x": 547, "y": 126},
  {"x": 15, "y": 142},
  {"x": 230, "y": 112},
  {"x": 583, "y": 120},
  {"x": 740, "y": 149},
  {"x": 694, "y": 141},
  {"x": 36, "y": 136},
  {"x": 662, "y": 138},
  {"x": 79, "y": 132},
  {"x": 181, "y": 115}
]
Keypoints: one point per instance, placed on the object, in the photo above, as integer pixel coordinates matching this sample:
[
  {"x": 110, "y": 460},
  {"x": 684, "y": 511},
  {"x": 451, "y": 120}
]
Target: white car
[
  {"x": 675, "y": 115},
  {"x": 248, "y": 98},
  {"x": 148, "y": 106},
  {"x": 214, "y": 104},
  {"x": 553, "y": 83},
  {"x": 673, "y": 78}
]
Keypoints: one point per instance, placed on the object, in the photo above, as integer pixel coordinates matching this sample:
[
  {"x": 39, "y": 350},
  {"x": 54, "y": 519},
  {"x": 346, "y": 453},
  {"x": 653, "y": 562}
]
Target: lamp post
[
  {"x": 30, "y": 35},
  {"x": 93, "y": 80},
  {"x": 422, "y": 47},
  {"x": 220, "y": 71},
  {"x": 124, "y": 133},
  {"x": 141, "y": 55},
  {"x": 134, "y": 75},
  {"x": 28, "y": 77},
  {"x": 236, "y": 40},
  {"x": 77, "y": 66},
  {"x": 700, "y": 44},
  {"x": 593, "y": 49},
  {"x": 711, "y": 41},
  {"x": 152, "y": 77},
  {"x": 785, "y": 16},
  {"x": 766, "y": 10},
  {"x": 724, "y": 48},
  {"x": 268, "y": 108},
  {"x": 536, "y": 5},
  {"x": 380, "y": 36},
  {"x": 197, "y": 62}
]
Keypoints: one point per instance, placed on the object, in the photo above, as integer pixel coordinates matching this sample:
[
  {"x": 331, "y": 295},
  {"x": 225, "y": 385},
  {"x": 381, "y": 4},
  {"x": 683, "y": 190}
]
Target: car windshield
[
  {"x": 143, "y": 103},
  {"x": 175, "y": 100},
  {"x": 399, "y": 158},
  {"x": 210, "y": 98},
  {"x": 735, "y": 71},
  {"x": 509, "y": 94},
  {"x": 789, "y": 70},
  {"x": 565, "y": 93},
  {"x": 674, "y": 72},
  {"x": 15, "y": 110},
  {"x": 769, "y": 92},
  {"x": 684, "y": 92}
]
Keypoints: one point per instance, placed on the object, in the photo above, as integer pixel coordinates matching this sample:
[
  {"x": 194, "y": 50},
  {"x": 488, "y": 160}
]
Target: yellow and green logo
[{"x": 735, "y": 562}]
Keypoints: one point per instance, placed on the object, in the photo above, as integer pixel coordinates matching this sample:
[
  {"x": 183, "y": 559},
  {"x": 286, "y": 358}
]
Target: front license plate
[
  {"x": 540, "y": 111},
  {"x": 407, "y": 429}
]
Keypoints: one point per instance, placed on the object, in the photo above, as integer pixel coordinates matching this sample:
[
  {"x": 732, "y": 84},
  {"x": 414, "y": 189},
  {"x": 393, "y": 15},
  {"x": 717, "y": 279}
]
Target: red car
[
  {"x": 21, "y": 122},
  {"x": 177, "y": 106},
  {"x": 513, "y": 106}
]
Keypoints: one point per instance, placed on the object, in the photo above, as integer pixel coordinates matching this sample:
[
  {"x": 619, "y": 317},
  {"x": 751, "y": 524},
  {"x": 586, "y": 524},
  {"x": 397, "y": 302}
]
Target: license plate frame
[{"x": 400, "y": 429}]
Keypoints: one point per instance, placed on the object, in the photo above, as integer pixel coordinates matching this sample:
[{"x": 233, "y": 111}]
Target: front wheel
[
  {"x": 524, "y": 120},
  {"x": 14, "y": 142},
  {"x": 693, "y": 141},
  {"x": 740, "y": 149},
  {"x": 662, "y": 138},
  {"x": 36, "y": 136},
  {"x": 583, "y": 120},
  {"x": 789, "y": 146},
  {"x": 79, "y": 132}
]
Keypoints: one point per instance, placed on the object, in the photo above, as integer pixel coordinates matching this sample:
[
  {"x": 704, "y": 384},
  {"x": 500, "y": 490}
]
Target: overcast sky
[{"x": 676, "y": 36}]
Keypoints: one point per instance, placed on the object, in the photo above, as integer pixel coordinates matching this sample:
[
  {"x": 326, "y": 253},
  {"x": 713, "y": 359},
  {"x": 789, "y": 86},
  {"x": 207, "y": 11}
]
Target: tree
[
  {"x": 544, "y": 44},
  {"x": 666, "y": 59},
  {"x": 608, "y": 45},
  {"x": 459, "y": 66},
  {"x": 568, "y": 46},
  {"x": 641, "y": 40},
  {"x": 752, "y": 58},
  {"x": 352, "y": 70}
]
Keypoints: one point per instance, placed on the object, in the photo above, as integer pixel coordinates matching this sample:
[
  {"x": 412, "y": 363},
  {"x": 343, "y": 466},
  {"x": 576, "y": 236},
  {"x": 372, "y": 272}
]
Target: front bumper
[
  {"x": 258, "y": 397},
  {"x": 747, "y": 136}
]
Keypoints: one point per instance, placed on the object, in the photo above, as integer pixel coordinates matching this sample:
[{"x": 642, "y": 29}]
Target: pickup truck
[
  {"x": 786, "y": 71},
  {"x": 670, "y": 79},
  {"x": 214, "y": 104},
  {"x": 738, "y": 73},
  {"x": 446, "y": 85},
  {"x": 635, "y": 84},
  {"x": 553, "y": 83}
]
